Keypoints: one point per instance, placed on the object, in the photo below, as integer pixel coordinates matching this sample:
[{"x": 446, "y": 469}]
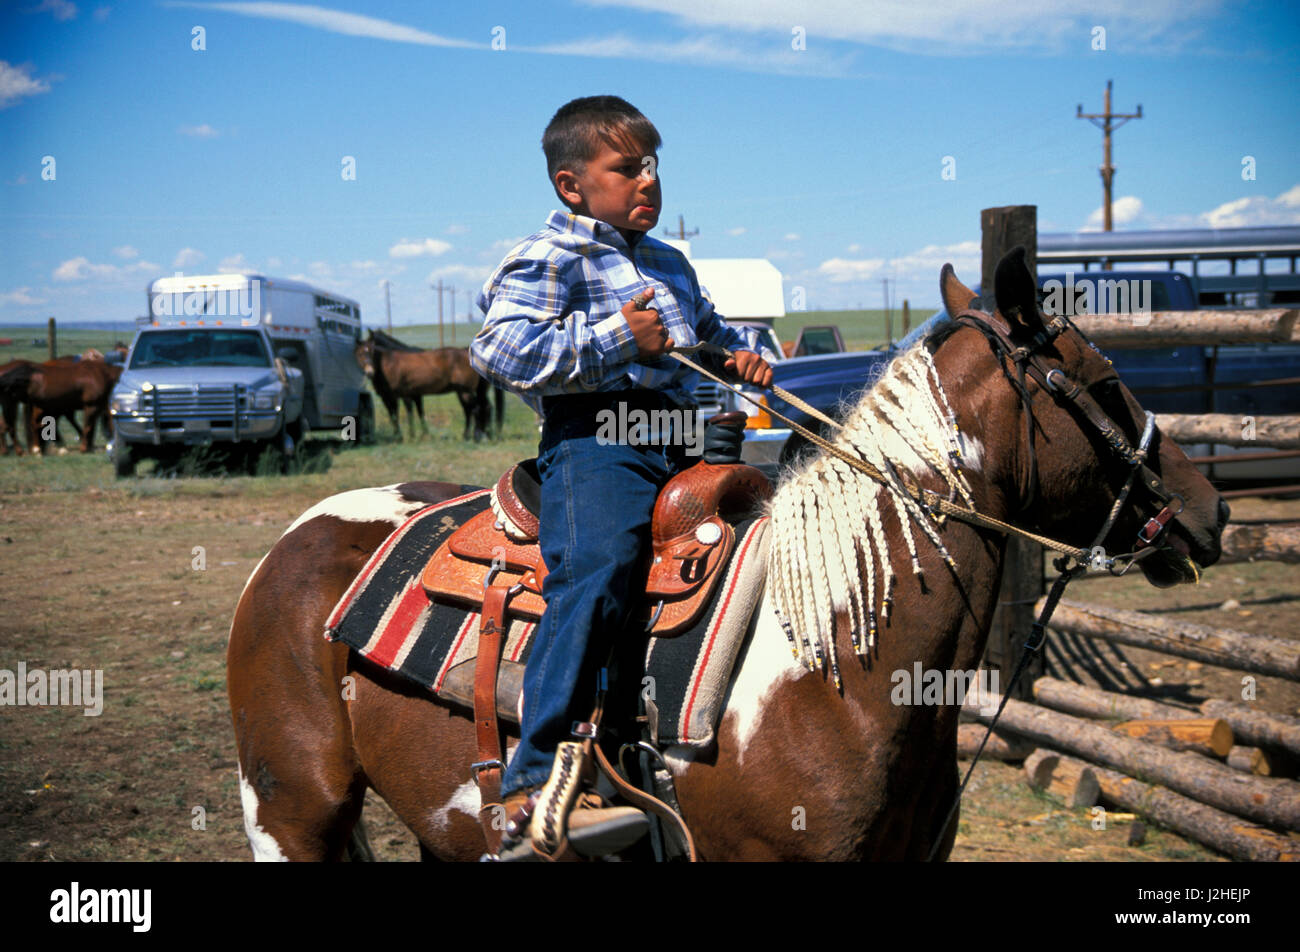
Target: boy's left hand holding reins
[{"x": 750, "y": 367}]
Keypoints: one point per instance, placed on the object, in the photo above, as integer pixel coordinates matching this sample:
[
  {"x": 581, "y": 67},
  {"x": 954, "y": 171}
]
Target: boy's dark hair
[{"x": 576, "y": 131}]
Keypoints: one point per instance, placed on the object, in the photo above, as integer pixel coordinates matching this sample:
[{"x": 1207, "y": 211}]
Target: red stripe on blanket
[
  {"x": 410, "y": 604},
  {"x": 363, "y": 578},
  {"x": 713, "y": 632}
]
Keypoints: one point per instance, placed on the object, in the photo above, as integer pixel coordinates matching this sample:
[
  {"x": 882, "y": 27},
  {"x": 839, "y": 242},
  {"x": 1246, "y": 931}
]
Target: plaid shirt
[{"x": 554, "y": 320}]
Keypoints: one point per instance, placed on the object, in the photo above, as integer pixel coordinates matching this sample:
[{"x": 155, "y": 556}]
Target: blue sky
[{"x": 827, "y": 159}]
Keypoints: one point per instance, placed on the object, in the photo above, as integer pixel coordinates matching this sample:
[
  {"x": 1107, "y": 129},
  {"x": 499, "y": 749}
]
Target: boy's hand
[
  {"x": 648, "y": 330},
  {"x": 751, "y": 368}
]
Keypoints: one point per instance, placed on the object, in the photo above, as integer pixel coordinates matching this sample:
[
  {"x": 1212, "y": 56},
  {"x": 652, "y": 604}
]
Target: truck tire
[{"x": 123, "y": 460}]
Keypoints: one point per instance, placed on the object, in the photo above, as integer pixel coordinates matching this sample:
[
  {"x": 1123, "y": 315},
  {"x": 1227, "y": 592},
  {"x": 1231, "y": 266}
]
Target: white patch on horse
[
  {"x": 466, "y": 799},
  {"x": 765, "y": 665},
  {"x": 972, "y": 452},
  {"x": 265, "y": 848},
  {"x": 376, "y": 504}
]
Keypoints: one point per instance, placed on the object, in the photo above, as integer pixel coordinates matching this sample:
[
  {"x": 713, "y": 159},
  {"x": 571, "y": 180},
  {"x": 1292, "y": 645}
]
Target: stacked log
[
  {"x": 1208, "y": 736},
  {"x": 1072, "y": 780},
  {"x": 1238, "y": 650},
  {"x": 1273, "y": 542},
  {"x": 1002, "y": 745},
  {"x": 1269, "y": 800},
  {"x": 1204, "y": 824}
]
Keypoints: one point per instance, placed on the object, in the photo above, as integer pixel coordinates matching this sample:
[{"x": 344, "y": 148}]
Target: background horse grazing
[
  {"x": 848, "y": 561},
  {"x": 57, "y": 388},
  {"x": 402, "y": 373}
]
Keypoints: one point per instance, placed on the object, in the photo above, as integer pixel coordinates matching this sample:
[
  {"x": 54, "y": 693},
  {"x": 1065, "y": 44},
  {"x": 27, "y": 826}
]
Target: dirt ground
[{"x": 140, "y": 579}]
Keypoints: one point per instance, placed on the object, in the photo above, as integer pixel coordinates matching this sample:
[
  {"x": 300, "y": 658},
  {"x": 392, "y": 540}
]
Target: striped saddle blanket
[{"x": 387, "y": 618}]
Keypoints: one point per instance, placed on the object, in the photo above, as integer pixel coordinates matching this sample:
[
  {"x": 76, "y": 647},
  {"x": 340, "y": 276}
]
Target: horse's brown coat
[{"x": 820, "y": 776}]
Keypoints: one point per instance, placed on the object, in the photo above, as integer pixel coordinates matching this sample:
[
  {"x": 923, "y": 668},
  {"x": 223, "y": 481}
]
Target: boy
[{"x": 579, "y": 318}]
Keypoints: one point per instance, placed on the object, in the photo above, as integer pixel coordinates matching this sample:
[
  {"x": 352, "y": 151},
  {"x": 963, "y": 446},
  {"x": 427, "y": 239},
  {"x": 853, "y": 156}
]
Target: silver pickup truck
[{"x": 238, "y": 359}]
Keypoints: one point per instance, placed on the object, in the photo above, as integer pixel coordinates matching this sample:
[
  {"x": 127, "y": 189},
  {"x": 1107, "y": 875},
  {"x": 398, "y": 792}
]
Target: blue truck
[{"x": 1165, "y": 380}]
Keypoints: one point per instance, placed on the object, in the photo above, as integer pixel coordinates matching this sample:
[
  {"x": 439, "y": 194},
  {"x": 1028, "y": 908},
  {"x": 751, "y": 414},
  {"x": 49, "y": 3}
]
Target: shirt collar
[{"x": 592, "y": 229}]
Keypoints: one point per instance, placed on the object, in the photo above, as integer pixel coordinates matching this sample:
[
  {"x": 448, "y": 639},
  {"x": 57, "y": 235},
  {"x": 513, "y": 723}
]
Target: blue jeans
[{"x": 597, "y": 502}]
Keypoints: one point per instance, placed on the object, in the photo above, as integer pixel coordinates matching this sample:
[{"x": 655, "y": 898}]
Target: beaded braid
[{"x": 827, "y": 521}]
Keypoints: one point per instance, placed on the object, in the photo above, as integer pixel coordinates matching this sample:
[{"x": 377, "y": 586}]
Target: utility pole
[
  {"x": 388, "y": 305},
  {"x": 453, "y": 316},
  {"x": 1107, "y": 170},
  {"x": 438, "y": 287},
  {"x": 681, "y": 233}
]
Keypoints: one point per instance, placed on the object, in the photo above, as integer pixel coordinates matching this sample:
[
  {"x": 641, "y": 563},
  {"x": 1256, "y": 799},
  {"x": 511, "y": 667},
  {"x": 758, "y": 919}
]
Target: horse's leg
[
  {"x": 90, "y": 413},
  {"x": 467, "y": 407},
  {"x": 300, "y": 781},
  {"x": 417, "y": 403},
  {"x": 33, "y": 443},
  {"x": 303, "y": 715}
]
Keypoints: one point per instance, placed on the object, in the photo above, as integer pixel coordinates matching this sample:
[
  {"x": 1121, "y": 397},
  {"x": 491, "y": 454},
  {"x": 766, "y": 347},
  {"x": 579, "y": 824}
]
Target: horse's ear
[
  {"x": 956, "y": 296},
  {"x": 1016, "y": 291}
]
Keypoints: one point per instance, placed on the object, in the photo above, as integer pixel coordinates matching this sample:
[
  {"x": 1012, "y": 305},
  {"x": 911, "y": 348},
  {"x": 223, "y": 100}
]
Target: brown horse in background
[
  {"x": 57, "y": 388},
  {"x": 400, "y": 373},
  {"x": 872, "y": 779}
]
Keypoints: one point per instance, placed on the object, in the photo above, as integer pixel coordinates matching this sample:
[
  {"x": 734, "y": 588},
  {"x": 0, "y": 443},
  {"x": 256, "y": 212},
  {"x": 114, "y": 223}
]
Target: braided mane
[{"x": 828, "y": 521}]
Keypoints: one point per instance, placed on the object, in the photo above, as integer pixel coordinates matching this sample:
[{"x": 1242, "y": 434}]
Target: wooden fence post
[{"x": 1001, "y": 229}]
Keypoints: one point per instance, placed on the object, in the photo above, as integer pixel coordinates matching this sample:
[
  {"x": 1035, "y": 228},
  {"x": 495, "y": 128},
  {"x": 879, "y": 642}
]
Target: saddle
[
  {"x": 493, "y": 564},
  {"x": 690, "y": 533}
]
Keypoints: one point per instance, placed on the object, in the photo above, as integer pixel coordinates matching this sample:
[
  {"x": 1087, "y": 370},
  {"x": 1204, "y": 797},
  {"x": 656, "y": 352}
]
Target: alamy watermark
[
  {"x": 1106, "y": 296},
  {"x": 932, "y": 687},
  {"x": 243, "y": 301},
  {"x": 37, "y": 688},
  {"x": 638, "y": 427}
]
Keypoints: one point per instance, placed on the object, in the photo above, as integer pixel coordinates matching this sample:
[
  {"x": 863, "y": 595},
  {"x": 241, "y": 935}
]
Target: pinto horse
[
  {"x": 406, "y": 374},
  {"x": 879, "y": 584}
]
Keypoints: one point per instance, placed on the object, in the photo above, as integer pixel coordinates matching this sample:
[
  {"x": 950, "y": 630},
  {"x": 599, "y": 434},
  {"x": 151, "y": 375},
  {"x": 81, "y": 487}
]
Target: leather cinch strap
[{"x": 488, "y": 769}]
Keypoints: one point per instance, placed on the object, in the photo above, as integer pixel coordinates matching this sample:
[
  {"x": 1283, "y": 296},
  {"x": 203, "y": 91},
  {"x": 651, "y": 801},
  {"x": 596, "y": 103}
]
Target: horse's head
[
  {"x": 1081, "y": 437},
  {"x": 364, "y": 354}
]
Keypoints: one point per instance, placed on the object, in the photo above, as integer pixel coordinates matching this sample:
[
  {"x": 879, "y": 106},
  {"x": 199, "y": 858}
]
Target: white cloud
[
  {"x": 234, "y": 264},
  {"x": 414, "y": 249},
  {"x": 20, "y": 296},
  {"x": 17, "y": 82},
  {"x": 1256, "y": 211},
  {"x": 924, "y": 265},
  {"x": 82, "y": 268},
  {"x": 737, "y": 231},
  {"x": 966, "y": 27},
  {"x": 204, "y": 131},
  {"x": 126, "y": 251},
  {"x": 1123, "y": 211},
  {"x": 335, "y": 21},
  {"x": 62, "y": 9},
  {"x": 187, "y": 257},
  {"x": 853, "y": 248},
  {"x": 840, "y": 270},
  {"x": 101, "y": 13},
  {"x": 506, "y": 244},
  {"x": 792, "y": 237},
  {"x": 457, "y": 229}
]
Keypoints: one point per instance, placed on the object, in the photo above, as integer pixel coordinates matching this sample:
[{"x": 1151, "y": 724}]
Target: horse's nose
[{"x": 1225, "y": 513}]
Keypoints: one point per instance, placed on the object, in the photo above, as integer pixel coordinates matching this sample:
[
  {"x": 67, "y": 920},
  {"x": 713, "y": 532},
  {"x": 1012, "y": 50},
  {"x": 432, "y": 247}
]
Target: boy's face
[{"x": 618, "y": 186}]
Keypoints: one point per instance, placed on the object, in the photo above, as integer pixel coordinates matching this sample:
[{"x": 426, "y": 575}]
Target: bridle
[{"x": 1028, "y": 361}]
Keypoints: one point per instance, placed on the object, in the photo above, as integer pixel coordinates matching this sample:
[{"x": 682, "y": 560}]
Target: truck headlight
[
  {"x": 759, "y": 418},
  {"x": 126, "y": 402},
  {"x": 266, "y": 399}
]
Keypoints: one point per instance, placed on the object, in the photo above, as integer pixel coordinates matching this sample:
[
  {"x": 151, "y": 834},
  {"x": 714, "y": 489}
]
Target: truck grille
[
  {"x": 709, "y": 396},
  {"x": 191, "y": 403}
]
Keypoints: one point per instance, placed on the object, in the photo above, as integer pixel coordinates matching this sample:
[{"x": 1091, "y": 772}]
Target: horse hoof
[{"x": 63, "y": 451}]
